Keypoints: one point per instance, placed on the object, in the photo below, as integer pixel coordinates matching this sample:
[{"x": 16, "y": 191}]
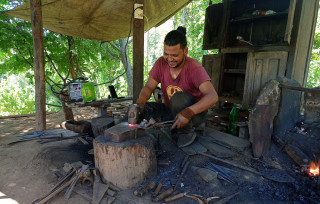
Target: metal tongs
[{"x": 152, "y": 123}]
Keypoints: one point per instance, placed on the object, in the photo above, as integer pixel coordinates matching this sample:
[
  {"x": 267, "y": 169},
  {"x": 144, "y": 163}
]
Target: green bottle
[{"x": 233, "y": 117}]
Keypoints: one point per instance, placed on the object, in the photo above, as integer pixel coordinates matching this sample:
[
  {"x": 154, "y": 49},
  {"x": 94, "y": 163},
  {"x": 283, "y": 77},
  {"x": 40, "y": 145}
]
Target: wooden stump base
[{"x": 126, "y": 163}]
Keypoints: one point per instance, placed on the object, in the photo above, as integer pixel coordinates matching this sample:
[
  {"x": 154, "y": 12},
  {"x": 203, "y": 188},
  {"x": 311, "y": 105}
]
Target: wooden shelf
[
  {"x": 234, "y": 71},
  {"x": 246, "y": 49},
  {"x": 236, "y": 100},
  {"x": 258, "y": 17}
]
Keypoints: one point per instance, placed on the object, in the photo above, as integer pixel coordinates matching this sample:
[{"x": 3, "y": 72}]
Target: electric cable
[
  {"x": 63, "y": 86},
  {"x": 125, "y": 48},
  {"x": 147, "y": 42}
]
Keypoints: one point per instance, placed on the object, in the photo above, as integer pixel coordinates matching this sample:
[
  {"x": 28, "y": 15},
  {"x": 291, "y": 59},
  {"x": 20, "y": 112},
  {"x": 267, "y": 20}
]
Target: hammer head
[{"x": 134, "y": 114}]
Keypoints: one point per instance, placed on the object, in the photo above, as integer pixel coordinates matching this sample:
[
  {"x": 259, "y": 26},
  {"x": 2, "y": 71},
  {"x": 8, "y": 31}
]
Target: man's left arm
[{"x": 210, "y": 97}]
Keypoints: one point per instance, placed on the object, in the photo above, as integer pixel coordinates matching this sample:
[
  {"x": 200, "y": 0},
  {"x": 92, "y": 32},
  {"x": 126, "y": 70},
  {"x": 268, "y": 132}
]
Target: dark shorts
[{"x": 178, "y": 102}]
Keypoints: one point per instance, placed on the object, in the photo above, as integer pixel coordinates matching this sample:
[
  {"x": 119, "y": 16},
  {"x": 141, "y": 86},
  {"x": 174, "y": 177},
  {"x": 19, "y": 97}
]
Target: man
[{"x": 186, "y": 87}]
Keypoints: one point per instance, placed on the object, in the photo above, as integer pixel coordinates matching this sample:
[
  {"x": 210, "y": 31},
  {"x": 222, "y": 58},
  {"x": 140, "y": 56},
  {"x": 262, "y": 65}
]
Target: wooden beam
[
  {"x": 138, "y": 54},
  {"x": 39, "y": 75},
  {"x": 304, "y": 42}
]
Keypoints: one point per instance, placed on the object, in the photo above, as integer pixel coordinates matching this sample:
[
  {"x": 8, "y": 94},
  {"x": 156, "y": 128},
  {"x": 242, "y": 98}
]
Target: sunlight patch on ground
[
  {"x": 4, "y": 199},
  {"x": 27, "y": 130},
  {"x": 11, "y": 184}
]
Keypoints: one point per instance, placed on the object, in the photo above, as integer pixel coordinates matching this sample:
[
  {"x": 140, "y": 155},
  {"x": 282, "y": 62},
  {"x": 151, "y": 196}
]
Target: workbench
[{"x": 101, "y": 105}]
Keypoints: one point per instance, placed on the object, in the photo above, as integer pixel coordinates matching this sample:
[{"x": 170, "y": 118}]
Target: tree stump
[
  {"x": 127, "y": 163},
  {"x": 100, "y": 124}
]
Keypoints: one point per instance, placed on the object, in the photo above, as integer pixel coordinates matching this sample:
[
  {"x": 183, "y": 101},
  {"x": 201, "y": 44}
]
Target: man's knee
[{"x": 180, "y": 101}]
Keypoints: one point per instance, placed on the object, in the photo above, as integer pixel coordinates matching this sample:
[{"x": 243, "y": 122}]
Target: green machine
[{"x": 82, "y": 92}]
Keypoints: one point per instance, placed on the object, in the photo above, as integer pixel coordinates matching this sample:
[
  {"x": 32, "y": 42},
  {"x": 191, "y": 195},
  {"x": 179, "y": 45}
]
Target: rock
[
  {"x": 206, "y": 174},
  {"x": 261, "y": 118},
  {"x": 289, "y": 109}
]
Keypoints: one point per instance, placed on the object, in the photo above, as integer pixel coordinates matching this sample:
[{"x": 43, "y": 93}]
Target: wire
[
  {"x": 147, "y": 42},
  {"x": 125, "y": 48},
  {"x": 63, "y": 86}
]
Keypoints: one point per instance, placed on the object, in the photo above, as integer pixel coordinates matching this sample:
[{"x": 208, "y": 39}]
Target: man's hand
[
  {"x": 183, "y": 118},
  {"x": 180, "y": 122}
]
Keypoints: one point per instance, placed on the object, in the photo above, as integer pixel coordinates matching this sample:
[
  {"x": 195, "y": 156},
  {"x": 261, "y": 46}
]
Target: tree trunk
[
  {"x": 127, "y": 163},
  {"x": 68, "y": 114},
  {"x": 70, "y": 43},
  {"x": 126, "y": 63}
]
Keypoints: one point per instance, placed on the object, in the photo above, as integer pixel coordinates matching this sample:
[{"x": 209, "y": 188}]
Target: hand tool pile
[
  {"x": 87, "y": 176},
  {"x": 223, "y": 173},
  {"x": 157, "y": 195}
]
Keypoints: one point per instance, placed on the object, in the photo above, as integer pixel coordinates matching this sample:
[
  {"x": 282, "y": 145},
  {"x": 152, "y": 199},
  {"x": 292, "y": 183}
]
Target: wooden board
[
  {"x": 194, "y": 148},
  {"x": 239, "y": 144},
  {"x": 212, "y": 64},
  {"x": 292, "y": 8},
  {"x": 216, "y": 149}
]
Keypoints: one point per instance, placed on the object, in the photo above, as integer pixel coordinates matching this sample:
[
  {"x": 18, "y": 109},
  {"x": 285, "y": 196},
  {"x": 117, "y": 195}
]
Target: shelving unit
[
  {"x": 253, "y": 46},
  {"x": 259, "y": 17}
]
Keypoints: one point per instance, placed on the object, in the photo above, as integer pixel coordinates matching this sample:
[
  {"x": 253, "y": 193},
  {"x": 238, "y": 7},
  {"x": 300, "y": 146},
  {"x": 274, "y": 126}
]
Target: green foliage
[
  {"x": 16, "y": 96},
  {"x": 314, "y": 67},
  {"x": 194, "y": 18}
]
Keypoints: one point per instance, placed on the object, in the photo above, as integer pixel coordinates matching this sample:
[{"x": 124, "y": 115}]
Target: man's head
[{"x": 175, "y": 47}]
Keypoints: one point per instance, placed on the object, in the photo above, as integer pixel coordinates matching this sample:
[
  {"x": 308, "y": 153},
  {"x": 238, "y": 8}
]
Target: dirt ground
[
  {"x": 27, "y": 169},
  {"x": 25, "y": 173}
]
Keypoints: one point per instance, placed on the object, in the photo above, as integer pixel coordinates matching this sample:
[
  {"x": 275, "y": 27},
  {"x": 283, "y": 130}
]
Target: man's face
[{"x": 174, "y": 55}]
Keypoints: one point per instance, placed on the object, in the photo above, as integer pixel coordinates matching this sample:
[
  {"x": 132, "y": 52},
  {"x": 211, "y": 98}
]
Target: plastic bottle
[{"x": 233, "y": 117}]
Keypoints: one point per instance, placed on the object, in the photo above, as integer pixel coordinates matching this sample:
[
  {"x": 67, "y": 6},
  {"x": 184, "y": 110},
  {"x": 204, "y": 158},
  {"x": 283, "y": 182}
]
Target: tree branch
[
  {"x": 114, "y": 46},
  {"x": 31, "y": 65},
  {"x": 112, "y": 53},
  {"x": 30, "y": 53},
  {"x": 53, "y": 65}
]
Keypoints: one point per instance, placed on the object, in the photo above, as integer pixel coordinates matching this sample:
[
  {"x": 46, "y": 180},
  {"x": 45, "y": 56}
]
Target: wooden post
[
  {"x": 304, "y": 41},
  {"x": 39, "y": 76},
  {"x": 138, "y": 54}
]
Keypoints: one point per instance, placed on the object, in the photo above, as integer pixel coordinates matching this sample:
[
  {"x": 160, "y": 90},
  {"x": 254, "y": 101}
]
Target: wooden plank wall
[{"x": 212, "y": 64}]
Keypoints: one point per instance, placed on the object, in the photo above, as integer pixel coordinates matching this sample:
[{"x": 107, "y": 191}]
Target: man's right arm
[{"x": 146, "y": 91}]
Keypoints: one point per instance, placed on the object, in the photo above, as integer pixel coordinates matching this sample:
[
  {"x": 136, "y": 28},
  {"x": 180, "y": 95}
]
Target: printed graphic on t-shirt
[{"x": 171, "y": 90}]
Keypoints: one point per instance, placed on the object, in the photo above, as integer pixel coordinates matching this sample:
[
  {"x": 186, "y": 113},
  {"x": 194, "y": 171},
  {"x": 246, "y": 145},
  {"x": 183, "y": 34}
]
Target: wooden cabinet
[
  {"x": 262, "y": 67},
  {"x": 248, "y": 23},
  {"x": 253, "y": 38}
]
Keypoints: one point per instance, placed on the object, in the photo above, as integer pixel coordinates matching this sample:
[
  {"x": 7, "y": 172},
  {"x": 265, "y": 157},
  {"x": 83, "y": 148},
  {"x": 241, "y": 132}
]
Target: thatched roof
[{"x": 104, "y": 20}]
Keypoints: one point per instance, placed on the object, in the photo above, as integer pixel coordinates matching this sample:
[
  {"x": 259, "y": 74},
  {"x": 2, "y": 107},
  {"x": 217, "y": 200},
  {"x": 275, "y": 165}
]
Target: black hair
[{"x": 176, "y": 37}]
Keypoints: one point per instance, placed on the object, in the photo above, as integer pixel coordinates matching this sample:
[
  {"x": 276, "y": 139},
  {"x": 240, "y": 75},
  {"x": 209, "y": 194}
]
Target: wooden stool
[{"x": 243, "y": 129}]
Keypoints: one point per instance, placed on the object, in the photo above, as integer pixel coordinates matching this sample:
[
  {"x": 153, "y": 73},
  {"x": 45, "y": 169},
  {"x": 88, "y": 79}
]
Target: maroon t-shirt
[{"x": 189, "y": 79}]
